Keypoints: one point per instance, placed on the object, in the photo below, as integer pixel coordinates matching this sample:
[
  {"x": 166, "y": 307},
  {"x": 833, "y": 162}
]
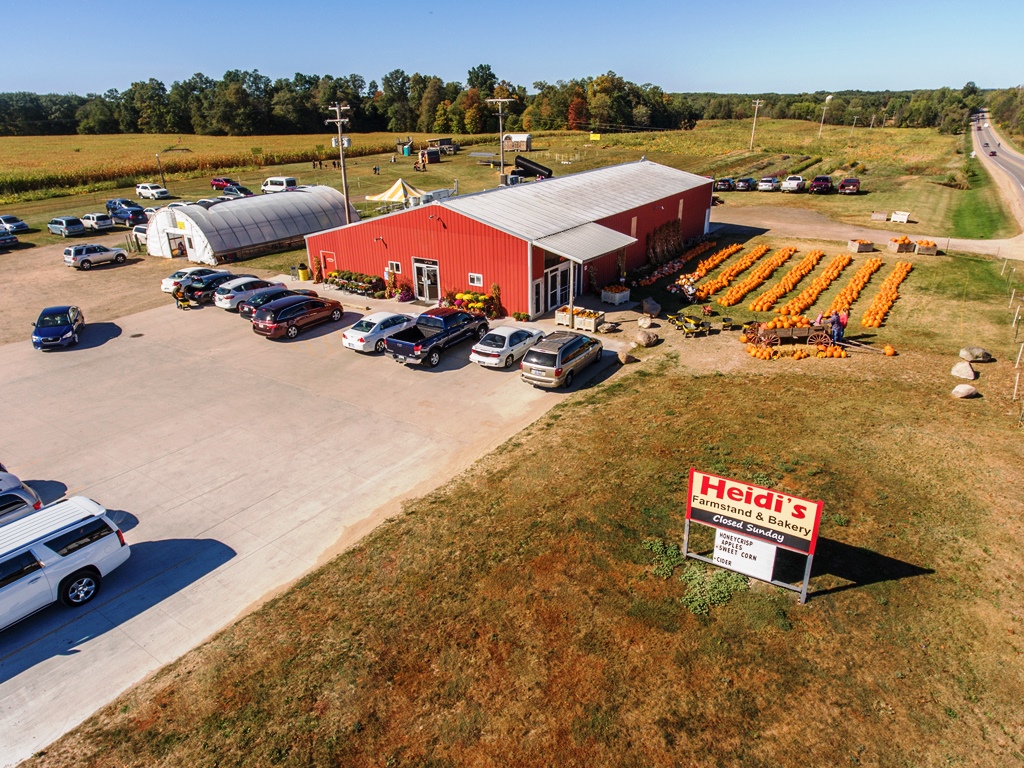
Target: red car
[
  {"x": 223, "y": 181},
  {"x": 293, "y": 314},
  {"x": 992, "y": 153}
]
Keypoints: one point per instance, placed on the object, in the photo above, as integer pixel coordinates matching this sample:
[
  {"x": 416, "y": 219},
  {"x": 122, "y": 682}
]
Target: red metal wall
[{"x": 459, "y": 244}]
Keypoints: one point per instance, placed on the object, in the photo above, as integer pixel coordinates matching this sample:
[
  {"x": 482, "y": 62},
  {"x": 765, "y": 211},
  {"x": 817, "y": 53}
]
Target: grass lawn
[{"x": 514, "y": 616}]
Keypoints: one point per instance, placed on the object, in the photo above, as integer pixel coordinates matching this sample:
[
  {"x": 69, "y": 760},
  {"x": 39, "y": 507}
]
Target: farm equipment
[
  {"x": 690, "y": 325},
  {"x": 761, "y": 336}
]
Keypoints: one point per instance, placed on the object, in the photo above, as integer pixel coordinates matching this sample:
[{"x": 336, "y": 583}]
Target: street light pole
[
  {"x": 161, "y": 167},
  {"x": 757, "y": 104},
  {"x": 501, "y": 129},
  {"x": 340, "y": 121},
  {"x": 823, "y": 109}
]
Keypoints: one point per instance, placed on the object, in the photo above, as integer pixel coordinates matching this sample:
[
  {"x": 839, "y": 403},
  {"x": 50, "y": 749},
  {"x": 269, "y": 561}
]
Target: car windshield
[
  {"x": 493, "y": 340},
  {"x": 49, "y": 321},
  {"x": 364, "y": 326},
  {"x": 536, "y": 357},
  {"x": 9, "y": 219}
]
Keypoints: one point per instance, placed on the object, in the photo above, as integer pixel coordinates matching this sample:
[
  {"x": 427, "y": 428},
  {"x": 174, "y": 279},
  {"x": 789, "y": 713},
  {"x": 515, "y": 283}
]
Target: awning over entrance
[{"x": 584, "y": 243}]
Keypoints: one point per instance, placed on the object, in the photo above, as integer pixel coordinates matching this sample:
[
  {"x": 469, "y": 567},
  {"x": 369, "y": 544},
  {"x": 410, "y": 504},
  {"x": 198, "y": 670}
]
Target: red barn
[{"x": 524, "y": 238}]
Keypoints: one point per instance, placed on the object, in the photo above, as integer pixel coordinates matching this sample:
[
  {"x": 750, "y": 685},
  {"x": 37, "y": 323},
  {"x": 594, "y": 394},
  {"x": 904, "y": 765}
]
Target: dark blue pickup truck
[{"x": 435, "y": 330}]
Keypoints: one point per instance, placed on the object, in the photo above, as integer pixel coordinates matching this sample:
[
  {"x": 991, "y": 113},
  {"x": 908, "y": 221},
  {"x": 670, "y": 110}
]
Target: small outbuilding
[
  {"x": 517, "y": 142},
  {"x": 246, "y": 227}
]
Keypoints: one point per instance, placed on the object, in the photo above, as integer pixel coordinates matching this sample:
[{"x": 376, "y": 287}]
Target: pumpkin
[
  {"x": 744, "y": 339},
  {"x": 889, "y": 351}
]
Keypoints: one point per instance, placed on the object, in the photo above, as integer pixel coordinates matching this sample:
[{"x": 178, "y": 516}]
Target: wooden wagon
[{"x": 812, "y": 335}]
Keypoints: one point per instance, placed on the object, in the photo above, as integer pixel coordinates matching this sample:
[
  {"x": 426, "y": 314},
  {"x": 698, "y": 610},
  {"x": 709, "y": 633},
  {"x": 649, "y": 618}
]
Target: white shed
[
  {"x": 246, "y": 227},
  {"x": 517, "y": 142}
]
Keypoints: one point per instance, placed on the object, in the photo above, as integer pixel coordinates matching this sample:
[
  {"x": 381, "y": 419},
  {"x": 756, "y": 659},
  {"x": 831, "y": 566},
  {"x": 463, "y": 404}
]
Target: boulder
[
  {"x": 646, "y": 338},
  {"x": 625, "y": 358},
  {"x": 964, "y": 370},
  {"x": 644, "y": 322},
  {"x": 975, "y": 355},
  {"x": 964, "y": 390},
  {"x": 650, "y": 307}
]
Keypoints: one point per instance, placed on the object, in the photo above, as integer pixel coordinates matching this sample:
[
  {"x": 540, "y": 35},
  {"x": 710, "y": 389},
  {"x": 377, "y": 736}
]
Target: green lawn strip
[{"x": 980, "y": 212}]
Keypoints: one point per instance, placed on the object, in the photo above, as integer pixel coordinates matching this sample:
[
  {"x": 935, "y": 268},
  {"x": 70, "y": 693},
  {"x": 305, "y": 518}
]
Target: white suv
[
  {"x": 151, "y": 191},
  {"x": 62, "y": 552}
]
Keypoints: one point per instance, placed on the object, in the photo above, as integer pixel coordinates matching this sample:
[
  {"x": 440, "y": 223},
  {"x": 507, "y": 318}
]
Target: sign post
[{"x": 751, "y": 523}]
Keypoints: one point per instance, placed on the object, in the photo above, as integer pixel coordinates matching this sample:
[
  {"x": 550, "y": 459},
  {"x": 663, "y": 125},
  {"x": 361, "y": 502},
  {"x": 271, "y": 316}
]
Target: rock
[
  {"x": 644, "y": 322},
  {"x": 646, "y": 338},
  {"x": 963, "y": 370},
  {"x": 975, "y": 355},
  {"x": 964, "y": 390},
  {"x": 650, "y": 307},
  {"x": 625, "y": 358}
]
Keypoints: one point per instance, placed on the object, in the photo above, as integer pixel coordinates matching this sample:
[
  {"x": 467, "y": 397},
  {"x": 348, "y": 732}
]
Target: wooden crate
[
  {"x": 854, "y": 247},
  {"x": 902, "y": 247},
  {"x": 611, "y": 297},
  {"x": 927, "y": 250}
]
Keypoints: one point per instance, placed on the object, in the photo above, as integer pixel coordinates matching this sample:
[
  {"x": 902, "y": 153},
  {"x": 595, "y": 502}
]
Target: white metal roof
[
  {"x": 236, "y": 224},
  {"x": 47, "y": 520},
  {"x": 541, "y": 208},
  {"x": 585, "y": 242}
]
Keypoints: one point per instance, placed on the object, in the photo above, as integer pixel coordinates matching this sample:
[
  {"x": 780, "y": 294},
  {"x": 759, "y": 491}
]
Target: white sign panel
[{"x": 745, "y": 555}]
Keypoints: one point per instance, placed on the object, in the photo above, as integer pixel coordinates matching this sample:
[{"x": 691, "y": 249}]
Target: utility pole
[
  {"x": 872, "y": 121},
  {"x": 501, "y": 129},
  {"x": 823, "y": 110},
  {"x": 854, "y": 125},
  {"x": 757, "y": 105},
  {"x": 161, "y": 167},
  {"x": 340, "y": 121}
]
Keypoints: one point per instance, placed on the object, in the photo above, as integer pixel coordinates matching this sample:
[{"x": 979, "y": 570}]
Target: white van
[
  {"x": 278, "y": 184},
  {"x": 62, "y": 552}
]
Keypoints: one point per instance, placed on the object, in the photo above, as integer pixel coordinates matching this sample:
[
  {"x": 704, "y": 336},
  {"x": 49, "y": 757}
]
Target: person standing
[
  {"x": 837, "y": 328},
  {"x": 844, "y": 318}
]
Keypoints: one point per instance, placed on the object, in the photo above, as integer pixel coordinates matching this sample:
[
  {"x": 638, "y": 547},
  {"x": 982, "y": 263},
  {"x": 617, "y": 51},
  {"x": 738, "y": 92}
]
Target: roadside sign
[{"x": 752, "y": 522}]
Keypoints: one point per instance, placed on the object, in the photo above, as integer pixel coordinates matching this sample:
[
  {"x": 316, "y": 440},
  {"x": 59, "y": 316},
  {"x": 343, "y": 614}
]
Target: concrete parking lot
[{"x": 233, "y": 464}]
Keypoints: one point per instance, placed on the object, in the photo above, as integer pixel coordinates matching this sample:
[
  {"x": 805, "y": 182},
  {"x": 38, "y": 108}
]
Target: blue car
[
  {"x": 129, "y": 217},
  {"x": 58, "y": 327}
]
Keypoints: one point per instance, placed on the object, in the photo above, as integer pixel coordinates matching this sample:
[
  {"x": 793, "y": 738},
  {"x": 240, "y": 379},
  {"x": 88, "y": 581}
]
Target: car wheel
[
  {"x": 481, "y": 332},
  {"x": 433, "y": 359},
  {"x": 292, "y": 332},
  {"x": 509, "y": 360},
  {"x": 380, "y": 346},
  {"x": 120, "y": 258},
  {"x": 86, "y": 264},
  {"x": 336, "y": 315},
  {"x": 79, "y": 588},
  {"x": 568, "y": 379}
]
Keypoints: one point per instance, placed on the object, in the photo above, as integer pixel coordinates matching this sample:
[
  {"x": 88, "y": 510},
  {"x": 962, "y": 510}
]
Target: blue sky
[{"x": 741, "y": 46}]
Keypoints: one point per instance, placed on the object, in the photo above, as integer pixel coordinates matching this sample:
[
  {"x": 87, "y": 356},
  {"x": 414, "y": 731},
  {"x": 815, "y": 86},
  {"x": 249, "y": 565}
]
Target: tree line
[
  {"x": 1007, "y": 109},
  {"x": 248, "y": 103}
]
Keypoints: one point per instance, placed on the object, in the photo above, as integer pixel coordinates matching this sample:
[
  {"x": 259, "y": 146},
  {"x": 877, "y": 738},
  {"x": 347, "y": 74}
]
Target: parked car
[
  {"x": 65, "y": 226},
  {"x": 229, "y": 294},
  {"x": 139, "y": 234},
  {"x": 768, "y": 184},
  {"x": 185, "y": 277},
  {"x": 97, "y": 221},
  {"x": 150, "y": 210},
  {"x": 16, "y": 498},
  {"x": 724, "y": 185},
  {"x": 821, "y": 185},
  {"x": 222, "y": 182},
  {"x": 129, "y": 217},
  {"x": 202, "y": 290},
  {"x": 12, "y": 224},
  {"x": 849, "y": 186},
  {"x": 62, "y": 552},
  {"x": 554, "y": 360},
  {"x": 7, "y": 239},
  {"x": 278, "y": 184},
  {"x": 58, "y": 327},
  {"x": 502, "y": 346},
  {"x": 435, "y": 330},
  {"x": 85, "y": 256},
  {"x": 794, "y": 184},
  {"x": 370, "y": 333},
  {"x": 151, "y": 191},
  {"x": 236, "y": 191},
  {"x": 248, "y": 307},
  {"x": 206, "y": 202},
  {"x": 121, "y": 202},
  {"x": 180, "y": 204},
  {"x": 746, "y": 184},
  {"x": 293, "y": 314}
]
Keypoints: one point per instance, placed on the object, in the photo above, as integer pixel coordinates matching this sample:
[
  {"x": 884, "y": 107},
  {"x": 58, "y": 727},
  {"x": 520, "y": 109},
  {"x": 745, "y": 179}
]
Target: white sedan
[
  {"x": 230, "y": 294},
  {"x": 184, "y": 277},
  {"x": 502, "y": 346},
  {"x": 369, "y": 333}
]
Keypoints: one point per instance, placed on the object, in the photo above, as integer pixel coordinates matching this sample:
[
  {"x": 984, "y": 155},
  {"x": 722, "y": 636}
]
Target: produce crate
[
  {"x": 854, "y": 247},
  {"x": 608, "y": 297},
  {"x": 902, "y": 247},
  {"x": 927, "y": 250},
  {"x": 561, "y": 318},
  {"x": 589, "y": 324}
]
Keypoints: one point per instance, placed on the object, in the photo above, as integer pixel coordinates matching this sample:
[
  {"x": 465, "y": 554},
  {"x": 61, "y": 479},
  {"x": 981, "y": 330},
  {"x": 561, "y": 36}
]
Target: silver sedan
[
  {"x": 503, "y": 345},
  {"x": 369, "y": 333}
]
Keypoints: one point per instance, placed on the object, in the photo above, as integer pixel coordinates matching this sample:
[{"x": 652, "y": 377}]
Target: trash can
[{"x": 303, "y": 272}]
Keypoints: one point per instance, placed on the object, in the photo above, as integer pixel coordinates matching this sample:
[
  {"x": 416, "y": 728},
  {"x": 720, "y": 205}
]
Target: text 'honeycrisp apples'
[{"x": 754, "y": 511}]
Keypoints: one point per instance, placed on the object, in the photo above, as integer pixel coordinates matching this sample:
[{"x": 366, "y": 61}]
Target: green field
[{"x": 514, "y": 616}]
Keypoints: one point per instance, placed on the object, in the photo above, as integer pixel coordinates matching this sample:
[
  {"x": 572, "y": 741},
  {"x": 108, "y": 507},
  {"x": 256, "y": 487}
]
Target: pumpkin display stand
[
  {"x": 927, "y": 250},
  {"x": 615, "y": 297},
  {"x": 582, "y": 323},
  {"x": 902, "y": 247},
  {"x": 853, "y": 246}
]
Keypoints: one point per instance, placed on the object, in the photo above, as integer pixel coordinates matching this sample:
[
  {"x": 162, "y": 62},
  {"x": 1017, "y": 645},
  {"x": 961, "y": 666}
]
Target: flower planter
[
  {"x": 854, "y": 247},
  {"x": 614, "y": 297},
  {"x": 902, "y": 247},
  {"x": 927, "y": 250}
]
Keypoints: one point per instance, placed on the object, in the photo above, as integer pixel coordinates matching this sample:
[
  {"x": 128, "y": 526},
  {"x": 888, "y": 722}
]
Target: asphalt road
[
  {"x": 234, "y": 465},
  {"x": 1005, "y": 159}
]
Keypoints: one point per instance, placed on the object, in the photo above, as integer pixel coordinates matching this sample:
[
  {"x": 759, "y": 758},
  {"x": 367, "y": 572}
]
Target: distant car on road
[
  {"x": 768, "y": 184},
  {"x": 746, "y": 184},
  {"x": 221, "y": 182},
  {"x": 992, "y": 153},
  {"x": 235, "y": 191},
  {"x": 57, "y": 327},
  {"x": 65, "y": 226},
  {"x": 502, "y": 346},
  {"x": 85, "y": 256},
  {"x": 370, "y": 333},
  {"x": 985, "y": 144},
  {"x": 12, "y": 224},
  {"x": 293, "y": 314},
  {"x": 849, "y": 186},
  {"x": 97, "y": 221},
  {"x": 151, "y": 191}
]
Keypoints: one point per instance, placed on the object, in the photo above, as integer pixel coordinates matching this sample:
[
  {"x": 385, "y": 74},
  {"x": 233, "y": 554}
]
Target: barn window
[
  {"x": 475, "y": 279},
  {"x": 395, "y": 267}
]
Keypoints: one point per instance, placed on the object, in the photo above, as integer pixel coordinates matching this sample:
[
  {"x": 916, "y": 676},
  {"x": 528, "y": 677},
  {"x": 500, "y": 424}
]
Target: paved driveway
[{"x": 232, "y": 462}]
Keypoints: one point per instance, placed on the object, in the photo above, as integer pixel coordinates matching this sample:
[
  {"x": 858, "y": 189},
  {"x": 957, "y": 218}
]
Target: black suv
[{"x": 202, "y": 290}]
